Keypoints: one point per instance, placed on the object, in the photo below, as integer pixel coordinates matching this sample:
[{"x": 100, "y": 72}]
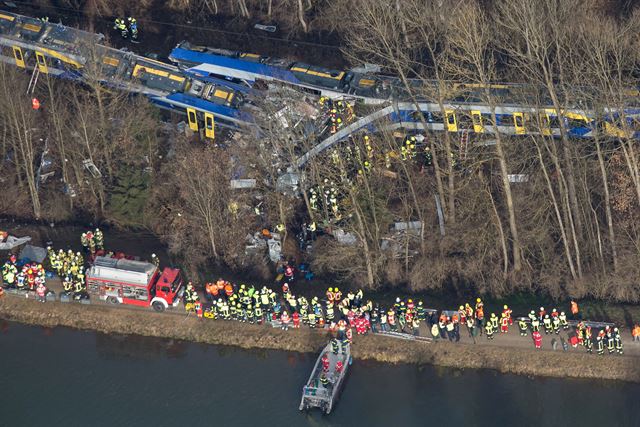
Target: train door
[
  {"x": 518, "y": 123},
  {"x": 192, "y": 117},
  {"x": 476, "y": 118},
  {"x": 209, "y": 126},
  {"x": 42, "y": 62},
  {"x": 545, "y": 128},
  {"x": 17, "y": 54},
  {"x": 452, "y": 125}
]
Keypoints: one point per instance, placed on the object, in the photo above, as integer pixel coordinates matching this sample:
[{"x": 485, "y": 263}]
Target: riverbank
[{"x": 504, "y": 359}]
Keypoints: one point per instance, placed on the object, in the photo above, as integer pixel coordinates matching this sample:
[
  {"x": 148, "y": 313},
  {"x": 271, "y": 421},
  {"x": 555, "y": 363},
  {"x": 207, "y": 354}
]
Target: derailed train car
[{"x": 60, "y": 51}]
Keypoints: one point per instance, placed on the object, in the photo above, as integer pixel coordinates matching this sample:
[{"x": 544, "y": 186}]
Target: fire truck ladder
[{"x": 34, "y": 80}]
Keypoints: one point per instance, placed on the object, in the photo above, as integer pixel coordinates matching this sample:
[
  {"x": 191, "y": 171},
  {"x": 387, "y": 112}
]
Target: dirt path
[{"x": 507, "y": 353}]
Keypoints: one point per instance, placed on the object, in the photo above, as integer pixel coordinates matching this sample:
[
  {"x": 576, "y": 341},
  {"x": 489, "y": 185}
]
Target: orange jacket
[
  {"x": 574, "y": 308},
  {"x": 228, "y": 289}
]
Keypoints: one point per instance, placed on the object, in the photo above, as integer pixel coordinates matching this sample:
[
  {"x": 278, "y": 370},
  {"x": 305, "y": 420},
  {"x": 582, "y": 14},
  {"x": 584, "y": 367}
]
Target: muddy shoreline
[{"x": 179, "y": 326}]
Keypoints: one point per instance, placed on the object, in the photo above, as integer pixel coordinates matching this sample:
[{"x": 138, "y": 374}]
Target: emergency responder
[
  {"x": 79, "y": 286},
  {"x": 618, "y": 340},
  {"x": 489, "y": 330},
  {"x": 588, "y": 343},
  {"x": 337, "y": 295},
  {"x": 421, "y": 312},
  {"x": 504, "y": 324},
  {"x": 600, "y": 343},
  {"x": 324, "y": 380},
  {"x": 494, "y": 321},
  {"x": 67, "y": 285},
  {"x": 541, "y": 314},
  {"x": 547, "y": 324},
  {"x": 563, "y": 321},
  {"x": 312, "y": 319},
  {"x": 285, "y": 319},
  {"x": 574, "y": 309},
  {"x": 190, "y": 294},
  {"x": 99, "y": 239},
  {"x": 537, "y": 339},
  {"x": 133, "y": 27},
  {"x": 555, "y": 321},
  {"x": 258, "y": 314},
  {"x": 155, "y": 260},
  {"x": 480, "y": 314},
  {"x": 120, "y": 25},
  {"x": 330, "y": 296},
  {"x": 610, "y": 340},
  {"x": 506, "y": 312},
  {"x": 84, "y": 241},
  {"x": 522, "y": 324},
  {"x": 9, "y": 272}
]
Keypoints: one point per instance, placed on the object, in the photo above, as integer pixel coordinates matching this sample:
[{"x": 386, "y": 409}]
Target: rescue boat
[{"x": 315, "y": 393}]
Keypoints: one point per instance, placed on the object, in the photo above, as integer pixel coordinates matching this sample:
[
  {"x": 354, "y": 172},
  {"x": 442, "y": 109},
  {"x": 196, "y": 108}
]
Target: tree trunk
[
  {"x": 365, "y": 243},
  {"x": 305, "y": 28},
  {"x": 504, "y": 172},
  {"x": 563, "y": 234},
  {"x": 607, "y": 206}
]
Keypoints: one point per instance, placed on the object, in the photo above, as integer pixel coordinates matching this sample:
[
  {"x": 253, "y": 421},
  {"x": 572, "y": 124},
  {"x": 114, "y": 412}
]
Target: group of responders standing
[
  {"x": 352, "y": 313},
  {"x": 25, "y": 276},
  {"x": 127, "y": 28}
]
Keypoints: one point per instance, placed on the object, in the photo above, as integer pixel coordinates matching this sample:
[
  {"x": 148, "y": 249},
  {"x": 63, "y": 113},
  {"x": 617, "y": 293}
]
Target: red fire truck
[{"x": 141, "y": 283}]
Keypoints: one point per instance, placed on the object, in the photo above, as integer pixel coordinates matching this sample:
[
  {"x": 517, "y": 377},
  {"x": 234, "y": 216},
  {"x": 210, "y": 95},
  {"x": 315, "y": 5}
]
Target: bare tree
[{"x": 473, "y": 61}]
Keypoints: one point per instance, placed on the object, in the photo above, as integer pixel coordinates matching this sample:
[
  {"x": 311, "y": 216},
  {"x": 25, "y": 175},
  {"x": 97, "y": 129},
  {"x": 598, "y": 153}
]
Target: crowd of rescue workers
[{"x": 341, "y": 314}]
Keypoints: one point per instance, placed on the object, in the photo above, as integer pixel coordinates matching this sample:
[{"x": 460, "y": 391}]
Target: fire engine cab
[{"x": 140, "y": 283}]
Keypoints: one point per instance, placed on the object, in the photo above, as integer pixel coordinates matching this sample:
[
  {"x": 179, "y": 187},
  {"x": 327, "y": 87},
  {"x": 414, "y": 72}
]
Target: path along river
[{"x": 63, "y": 377}]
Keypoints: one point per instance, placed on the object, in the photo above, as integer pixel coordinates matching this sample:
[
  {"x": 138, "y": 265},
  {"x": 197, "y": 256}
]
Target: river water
[{"x": 63, "y": 377}]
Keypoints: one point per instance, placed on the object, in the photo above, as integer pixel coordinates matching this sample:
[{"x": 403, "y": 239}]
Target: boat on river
[{"x": 322, "y": 388}]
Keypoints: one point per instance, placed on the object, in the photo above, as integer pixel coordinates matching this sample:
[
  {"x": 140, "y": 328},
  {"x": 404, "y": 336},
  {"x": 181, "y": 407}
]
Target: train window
[
  {"x": 416, "y": 115},
  {"x": 434, "y": 117},
  {"x": 504, "y": 120},
  {"x": 464, "y": 121},
  {"x": 554, "y": 122},
  {"x": 487, "y": 120},
  {"x": 577, "y": 123}
]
